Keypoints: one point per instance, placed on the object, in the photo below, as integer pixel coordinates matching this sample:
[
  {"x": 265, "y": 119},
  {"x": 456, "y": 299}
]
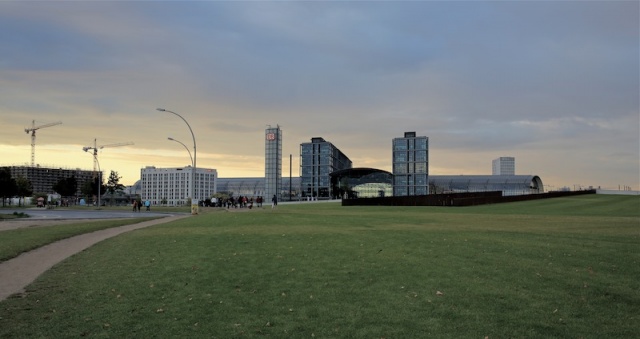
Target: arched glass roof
[{"x": 508, "y": 184}]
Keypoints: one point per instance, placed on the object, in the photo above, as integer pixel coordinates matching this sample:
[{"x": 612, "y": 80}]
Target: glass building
[
  {"x": 372, "y": 183},
  {"x": 410, "y": 165},
  {"x": 361, "y": 183},
  {"x": 504, "y": 166},
  {"x": 318, "y": 159},
  {"x": 272, "y": 162},
  {"x": 254, "y": 187},
  {"x": 508, "y": 184}
]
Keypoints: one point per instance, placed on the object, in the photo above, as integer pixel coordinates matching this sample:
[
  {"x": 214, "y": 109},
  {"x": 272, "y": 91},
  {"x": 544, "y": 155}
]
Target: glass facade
[
  {"x": 272, "y": 162},
  {"x": 254, "y": 187},
  {"x": 504, "y": 166},
  {"x": 361, "y": 183},
  {"x": 508, "y": 184},
  {"x": 410, "y": 165},
  {"x": 318, "y": 159}
]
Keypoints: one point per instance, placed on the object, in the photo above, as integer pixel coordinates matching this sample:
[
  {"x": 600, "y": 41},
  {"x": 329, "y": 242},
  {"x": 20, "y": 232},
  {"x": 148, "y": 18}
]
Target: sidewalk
[{"x": 17, "y": 273}]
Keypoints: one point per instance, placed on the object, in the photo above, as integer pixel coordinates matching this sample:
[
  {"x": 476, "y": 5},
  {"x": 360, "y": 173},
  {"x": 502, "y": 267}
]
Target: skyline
[{"x": 553, "y": 84}]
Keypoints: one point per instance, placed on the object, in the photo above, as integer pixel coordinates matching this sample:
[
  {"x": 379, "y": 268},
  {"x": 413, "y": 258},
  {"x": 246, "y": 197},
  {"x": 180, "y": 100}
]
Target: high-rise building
[
  {"x": 171, "y": 186},
  {"x": 504, "y": 166},
  {"x": 272, "y": 162},
  {"x": 410, "y": 165},
  {"x": 318, "y": 159}
]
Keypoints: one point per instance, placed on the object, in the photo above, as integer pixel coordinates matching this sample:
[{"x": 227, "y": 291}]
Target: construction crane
[
  {"x": 33, "y": 130},
  {"x": 95, "y": 149}
]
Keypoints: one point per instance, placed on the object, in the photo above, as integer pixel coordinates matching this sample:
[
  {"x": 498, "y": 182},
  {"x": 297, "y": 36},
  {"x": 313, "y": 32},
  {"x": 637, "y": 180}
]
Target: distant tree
[
  {"x": 90, "y": 188},
  {"x": 87, "y": 189},
  {"x": 24, "y": 188},
  {"x": 113, "y": 184},
  {"x": 8, "y": 185},
  {"x": 66, "y": 187}
]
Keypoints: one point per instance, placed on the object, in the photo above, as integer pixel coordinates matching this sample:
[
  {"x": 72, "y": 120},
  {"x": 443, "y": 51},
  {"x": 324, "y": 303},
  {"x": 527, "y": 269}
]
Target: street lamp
[
  {"x": 194, "y": 202},
  {"x": 86, "y": 149},
  {"x": 185, "y": 147}
]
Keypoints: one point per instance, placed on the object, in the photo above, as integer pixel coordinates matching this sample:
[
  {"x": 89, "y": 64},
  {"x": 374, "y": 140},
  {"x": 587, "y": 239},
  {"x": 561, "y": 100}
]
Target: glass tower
[
  {"x": 410, "y": 165},
  {"x": 318, "y": 159},
  {"x": 504, "y": 166},
  {"x": 272, "y": 162}
]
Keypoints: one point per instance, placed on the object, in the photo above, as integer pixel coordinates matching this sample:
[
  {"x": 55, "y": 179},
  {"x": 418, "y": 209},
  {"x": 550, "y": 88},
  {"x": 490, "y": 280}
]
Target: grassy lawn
[
  {"x": 14, "y": 242},
  {"x": 556, "y": 268}
]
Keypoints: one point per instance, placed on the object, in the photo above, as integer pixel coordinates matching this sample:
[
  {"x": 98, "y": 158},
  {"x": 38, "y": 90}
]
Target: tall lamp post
[
  {"x": 95, "y": 157},
  {"x": 185, "y": 147},
  {"x": 194, "y": 202}
]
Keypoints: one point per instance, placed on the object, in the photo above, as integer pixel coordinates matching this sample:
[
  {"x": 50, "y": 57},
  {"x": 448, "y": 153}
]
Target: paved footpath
[{"x": 17, "y": 273}]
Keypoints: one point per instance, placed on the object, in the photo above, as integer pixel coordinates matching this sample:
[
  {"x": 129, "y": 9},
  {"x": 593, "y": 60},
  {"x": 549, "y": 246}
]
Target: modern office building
[
  {"x": 43, "y": 178},
  {"x": 318, "y": 159},
  {"x": 170, "y": 186},
  {"x": 272, "y": 162},
  {"x": 504, "y": 166},
  {"x": 410, "y": 165}
]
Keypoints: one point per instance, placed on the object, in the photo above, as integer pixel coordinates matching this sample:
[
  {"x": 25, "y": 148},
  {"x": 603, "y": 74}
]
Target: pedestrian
[
  {"x": 135, "y": 205},
  {"x": 147, "y": 204},
  {"x": 274, "y": 201}
]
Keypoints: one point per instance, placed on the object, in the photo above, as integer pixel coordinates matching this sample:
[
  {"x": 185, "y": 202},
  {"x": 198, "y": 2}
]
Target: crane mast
[
  {"x": 95, "y": 149},
  {"x": 33, "y": 130}
]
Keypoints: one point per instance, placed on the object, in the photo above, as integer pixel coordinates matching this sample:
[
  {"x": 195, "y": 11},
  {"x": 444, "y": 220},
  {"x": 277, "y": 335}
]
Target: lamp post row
[{"x": 194, "y": 202}]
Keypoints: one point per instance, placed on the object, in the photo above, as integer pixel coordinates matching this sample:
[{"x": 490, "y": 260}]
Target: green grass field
[
  {"x": 15, "y": 242},
  {"x": 555, "y": 268}
]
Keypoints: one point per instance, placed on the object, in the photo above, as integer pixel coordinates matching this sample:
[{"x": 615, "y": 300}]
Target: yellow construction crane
[
  {"x": 95, "y": 149},
  {"x": 33, "y": 130}
]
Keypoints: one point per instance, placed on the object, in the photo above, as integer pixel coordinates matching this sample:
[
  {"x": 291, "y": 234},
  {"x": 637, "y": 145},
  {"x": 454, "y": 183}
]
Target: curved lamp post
[
  {"x": 86, "y": 149},
  {"x": 185, "y": 147},
  {"x": 194, "y": 202}
]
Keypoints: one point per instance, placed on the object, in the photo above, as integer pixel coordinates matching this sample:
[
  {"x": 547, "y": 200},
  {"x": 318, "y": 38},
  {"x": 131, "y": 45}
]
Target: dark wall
[{"x": 456, "y": 199}]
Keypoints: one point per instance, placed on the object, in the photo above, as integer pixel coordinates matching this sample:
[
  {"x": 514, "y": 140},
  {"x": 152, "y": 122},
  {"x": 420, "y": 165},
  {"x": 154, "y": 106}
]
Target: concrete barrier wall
[{"x": 457, "y": 199}]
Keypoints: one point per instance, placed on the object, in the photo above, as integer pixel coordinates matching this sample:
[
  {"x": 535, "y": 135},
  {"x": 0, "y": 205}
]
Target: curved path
[{"x": 17, "y": 273}]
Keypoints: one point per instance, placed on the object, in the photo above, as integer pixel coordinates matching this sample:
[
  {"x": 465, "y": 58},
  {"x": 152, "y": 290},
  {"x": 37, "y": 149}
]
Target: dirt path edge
[{"x": 19, "y": 272}]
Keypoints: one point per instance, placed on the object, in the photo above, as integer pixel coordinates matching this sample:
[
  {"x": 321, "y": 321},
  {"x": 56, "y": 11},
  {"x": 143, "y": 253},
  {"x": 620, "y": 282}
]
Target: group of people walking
[
  {"x": 243, "y": 202},
  {"x": 138, "y": 204},
  {"x": 231, "y": 202}
]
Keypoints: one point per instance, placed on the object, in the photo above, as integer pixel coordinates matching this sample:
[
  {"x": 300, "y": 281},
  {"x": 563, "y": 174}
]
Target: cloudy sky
[{"x": 554, "y": 84}]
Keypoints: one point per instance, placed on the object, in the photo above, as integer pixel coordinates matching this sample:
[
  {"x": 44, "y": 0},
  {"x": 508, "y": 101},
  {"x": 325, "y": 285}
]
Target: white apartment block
[
  {"x": 174, "y": 184},
  {"x": 504, "y": 166}
]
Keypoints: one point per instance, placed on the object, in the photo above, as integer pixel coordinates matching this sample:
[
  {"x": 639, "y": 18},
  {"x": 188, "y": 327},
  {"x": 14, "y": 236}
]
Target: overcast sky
[{"x": 554, "y": 84}]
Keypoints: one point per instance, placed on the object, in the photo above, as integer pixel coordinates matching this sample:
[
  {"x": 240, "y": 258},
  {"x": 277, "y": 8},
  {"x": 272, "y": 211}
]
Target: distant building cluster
[{"x": 325, "y": 173}]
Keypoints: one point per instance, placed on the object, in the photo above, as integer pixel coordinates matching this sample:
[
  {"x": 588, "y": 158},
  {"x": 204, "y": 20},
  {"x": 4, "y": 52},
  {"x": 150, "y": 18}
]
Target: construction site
[{"x": 43, "y": 178}]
